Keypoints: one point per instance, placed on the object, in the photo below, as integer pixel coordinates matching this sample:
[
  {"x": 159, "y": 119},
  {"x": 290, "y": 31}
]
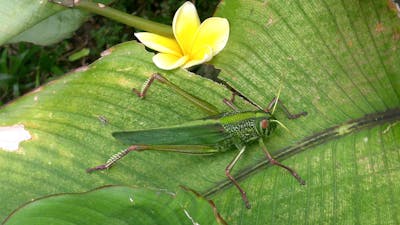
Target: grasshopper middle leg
[
  {"x": 270, "y": 108},
  {"x": 229, "y": 102},
  {"x": 289, "y": 115},
  {"x": 228, "y": 174}
]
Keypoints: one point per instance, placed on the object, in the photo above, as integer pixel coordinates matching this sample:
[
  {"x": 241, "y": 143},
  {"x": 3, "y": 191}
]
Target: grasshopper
[{"x": 214, "y": 134}]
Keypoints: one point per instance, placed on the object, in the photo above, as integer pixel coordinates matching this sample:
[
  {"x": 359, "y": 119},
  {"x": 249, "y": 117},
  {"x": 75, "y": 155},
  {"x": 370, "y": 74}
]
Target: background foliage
[{"x": 43, "y": 64}]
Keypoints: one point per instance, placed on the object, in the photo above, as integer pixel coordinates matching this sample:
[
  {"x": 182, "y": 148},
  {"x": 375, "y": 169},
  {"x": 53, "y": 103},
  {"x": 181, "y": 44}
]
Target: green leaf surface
[
  {"x": 338, "y": 60},
  {"x": 116, "y": 205},
  {"x": 39, "y": 22}
]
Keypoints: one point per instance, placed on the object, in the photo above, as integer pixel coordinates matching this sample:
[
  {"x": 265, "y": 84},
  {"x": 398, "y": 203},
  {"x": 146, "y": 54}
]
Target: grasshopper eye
[{"x": 264, "y": 124}]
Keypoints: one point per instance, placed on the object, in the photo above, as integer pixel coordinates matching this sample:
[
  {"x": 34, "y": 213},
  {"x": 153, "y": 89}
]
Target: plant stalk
[{"x": 122, "y": 17}]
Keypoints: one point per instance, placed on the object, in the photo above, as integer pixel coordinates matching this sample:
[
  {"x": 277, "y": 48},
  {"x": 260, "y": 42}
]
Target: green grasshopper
[{"x": 217, "y": 133}]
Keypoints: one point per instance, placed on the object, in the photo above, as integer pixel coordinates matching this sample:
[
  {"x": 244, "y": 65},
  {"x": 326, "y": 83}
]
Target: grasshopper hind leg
[
  {"x": 113, "y": 159},
  {"x": 147, "y": 84},
  {"x": 199, "y": 103},
  {"x": 184, "y": 149}
]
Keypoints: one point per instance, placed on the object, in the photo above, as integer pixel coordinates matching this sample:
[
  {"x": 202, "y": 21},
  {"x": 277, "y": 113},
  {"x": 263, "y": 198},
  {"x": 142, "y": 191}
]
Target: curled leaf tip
[{"x": 194, "y": 43}]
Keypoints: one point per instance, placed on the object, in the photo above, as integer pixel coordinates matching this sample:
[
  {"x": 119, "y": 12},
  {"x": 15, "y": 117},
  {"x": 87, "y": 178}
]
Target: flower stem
[{"x": 119, "y": 16}]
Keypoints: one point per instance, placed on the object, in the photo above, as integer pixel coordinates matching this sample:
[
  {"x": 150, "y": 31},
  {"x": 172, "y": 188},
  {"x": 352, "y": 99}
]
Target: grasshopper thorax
[{"x": 248, "y": 126}]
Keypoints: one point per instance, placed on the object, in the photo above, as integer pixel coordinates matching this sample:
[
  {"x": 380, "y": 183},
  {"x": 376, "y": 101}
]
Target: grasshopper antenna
[
  {"x": 277, "y": 100},
  {"x": 284, "y": 127}
]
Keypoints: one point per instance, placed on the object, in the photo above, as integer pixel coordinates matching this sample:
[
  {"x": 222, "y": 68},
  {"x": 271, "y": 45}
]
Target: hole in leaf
[{"x": 12, "y": 136}]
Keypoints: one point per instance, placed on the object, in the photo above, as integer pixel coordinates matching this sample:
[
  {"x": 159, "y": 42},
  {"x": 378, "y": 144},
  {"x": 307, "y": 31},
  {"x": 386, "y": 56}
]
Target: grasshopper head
[
  {"x": 267, "y": 125},
  {"x": 272, "y": 124}
]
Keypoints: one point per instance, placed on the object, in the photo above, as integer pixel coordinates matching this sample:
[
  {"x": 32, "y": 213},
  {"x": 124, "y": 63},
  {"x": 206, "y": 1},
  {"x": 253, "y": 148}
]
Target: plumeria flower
[{"x": 194, "y": 43}]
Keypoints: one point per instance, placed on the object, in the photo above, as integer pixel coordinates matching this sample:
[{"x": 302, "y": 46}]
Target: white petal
[
  {"x": 185, "y": 25},
  {"x": 159, "y": 43},
  {"x": 168, "y": 62},
  {"x": 213, "y": 32}
]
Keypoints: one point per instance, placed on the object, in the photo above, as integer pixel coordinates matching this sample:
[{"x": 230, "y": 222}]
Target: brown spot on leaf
[
  {"x": 270, "y": 21},
  {"x": 350, "y": 43},
  {"x": 106, "y": 52},
  {"x": 379, "y": 27},
  {"x": 81, "y": 69},
  {"x": 392, "y": 6},
  {"x": 396, "y": 35}
]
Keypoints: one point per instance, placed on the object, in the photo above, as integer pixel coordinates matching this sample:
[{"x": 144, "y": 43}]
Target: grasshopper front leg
[
  {"x": 275, "y": 162},
  {"x": 201, "y": 104}
]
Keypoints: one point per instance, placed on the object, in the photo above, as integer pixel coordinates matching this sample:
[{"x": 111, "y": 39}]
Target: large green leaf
[
  {"x": 39, "y": 21},
  {"x": 336, "y": 60},
  {"x": 117, "y": 205},
  {"x": 67, "y": 121}
]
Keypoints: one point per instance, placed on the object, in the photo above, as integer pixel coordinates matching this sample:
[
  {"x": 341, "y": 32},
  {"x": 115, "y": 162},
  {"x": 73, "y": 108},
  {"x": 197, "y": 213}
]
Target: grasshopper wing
[{"x": 199, "y": 132}]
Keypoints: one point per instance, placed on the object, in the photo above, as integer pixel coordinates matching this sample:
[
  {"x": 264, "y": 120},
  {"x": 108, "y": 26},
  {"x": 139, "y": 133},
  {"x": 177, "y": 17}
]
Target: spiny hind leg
[
  {"x": 184, "y": 149},
  {"x": 116, "y": 157},
  {"x": 147, "y": 84},
  {"x": 199, "y": 103}
]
